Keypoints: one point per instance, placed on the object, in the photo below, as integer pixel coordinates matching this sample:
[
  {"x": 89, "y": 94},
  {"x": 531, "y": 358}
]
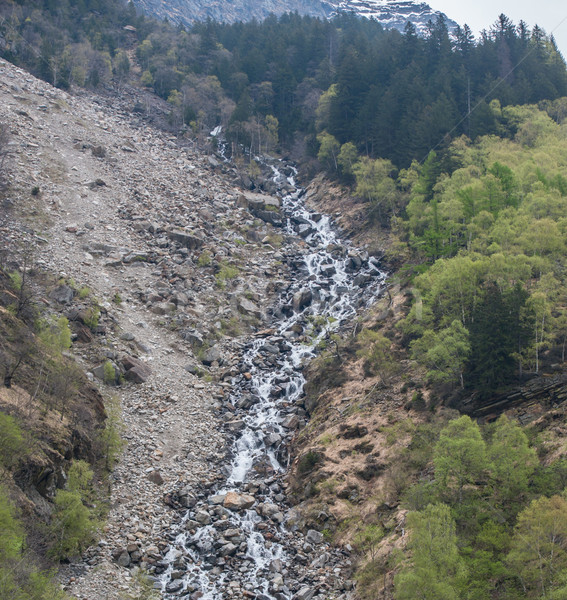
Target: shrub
[
  {"x": 109, "y": 373},
  {"x": 73, "y": 524},
  {"x": 225, "y": 273},
  {"x": 308, "y": 462},
  {"x": 110, "y": 438},
  {"x": 92, "y": 317},
  {"x": 12, "y": 443},
  {"x": 204, "y": 259}
]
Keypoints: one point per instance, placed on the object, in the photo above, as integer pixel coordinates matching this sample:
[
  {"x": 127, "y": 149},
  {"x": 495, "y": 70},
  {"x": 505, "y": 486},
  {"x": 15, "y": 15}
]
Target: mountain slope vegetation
[{"x": 291, "y": 79}]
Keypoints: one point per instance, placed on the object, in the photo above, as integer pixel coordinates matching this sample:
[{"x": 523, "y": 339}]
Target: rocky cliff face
[
  {"x": 390, "y": 13},
  {"x": 188, "y": 11}
]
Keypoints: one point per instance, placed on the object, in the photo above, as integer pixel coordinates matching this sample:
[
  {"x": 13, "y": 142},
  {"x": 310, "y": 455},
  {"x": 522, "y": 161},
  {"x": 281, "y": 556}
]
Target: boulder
[
  {"x": 193, "y": 337},
  {"x": 62, "y": 294},
  {"x": 302, "y": 299},
  {"x": 305, "y": 593},
  {"x": 183, "y": 238},
  {"x": 136, "y": 370},
  {"x": 269, "y": 216},
  {"x": 314, "y": 537},
  {"x": 247, "y": 307},
  {"x": 155, "y": 477},
  {"x": 213, "y": 354},
  {"x": 255, "y": 201},
  {"x": 203, "y": 517},
  {"x": 237, "y": 502}
]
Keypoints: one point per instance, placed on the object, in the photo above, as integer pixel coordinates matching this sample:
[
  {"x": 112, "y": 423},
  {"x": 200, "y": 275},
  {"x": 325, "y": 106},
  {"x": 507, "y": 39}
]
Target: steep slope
[
  {"x": 392, "y": 14},
  {"x": 155, "y": 234}
]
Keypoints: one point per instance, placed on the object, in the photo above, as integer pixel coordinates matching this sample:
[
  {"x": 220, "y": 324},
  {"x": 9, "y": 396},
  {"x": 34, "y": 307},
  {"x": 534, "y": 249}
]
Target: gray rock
[
  {"x": 155, "y": 477},
  {"x": 213, "y": 354},
  {"x": 269, "y": 216},
  {"x": 257, "y": 201},
  {"x": 314, "y": 537},
  {"x": 272, "y": 439},
  {"x": 183, "y": 238},
  {"x": 62, "y": 294},
  {"x": 203, "y": 517},
  {"x": 163, "y": 308},
  {"x": 247, "y": 307},
  {"x": 234, "y": 501},
  {"x": 305, "y": 593},
  {"x": 236, "y": 425},
  {"x": 193, "y": 337},
  {"x": 124, "y": 559},
  {"x": 302, "y": 299},
  {"x": 174, "y": 586},
  {"x": 228, "y": 549},
  {"x": 137, "y": 371},
  {"x": 361, "y": 279}
]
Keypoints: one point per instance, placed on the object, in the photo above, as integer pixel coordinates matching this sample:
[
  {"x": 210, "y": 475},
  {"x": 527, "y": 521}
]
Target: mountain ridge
[{"x": 392, "y": 14}]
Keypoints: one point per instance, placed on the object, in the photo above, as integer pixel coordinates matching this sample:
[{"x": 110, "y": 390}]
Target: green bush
[
  {"x": 56, "y": 333},
  {"x": 73, "y": 523},
  {"x": 308, "y": 462},
  {"x": 19, "y": 578},
  {"x": 204, "y": 259},
  {"x": 92, "y": 317},
  {"x": 109, "y": 373},
  {"x": 110, "y": 438},
  {"x": 12, "y": 443},
  {"x": 225, "y": 273}
]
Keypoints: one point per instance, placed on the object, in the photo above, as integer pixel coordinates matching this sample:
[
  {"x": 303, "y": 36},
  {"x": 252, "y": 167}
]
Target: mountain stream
[{"x": 240, "y": 541}]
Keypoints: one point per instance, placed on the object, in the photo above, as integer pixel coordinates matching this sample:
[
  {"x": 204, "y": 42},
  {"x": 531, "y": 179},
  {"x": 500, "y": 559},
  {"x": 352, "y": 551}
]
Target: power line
[{"x": 483, "y": 99}]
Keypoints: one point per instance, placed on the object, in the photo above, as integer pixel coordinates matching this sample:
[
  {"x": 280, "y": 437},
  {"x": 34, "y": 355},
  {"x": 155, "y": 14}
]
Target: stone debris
[{"x": 171, "y": 248}]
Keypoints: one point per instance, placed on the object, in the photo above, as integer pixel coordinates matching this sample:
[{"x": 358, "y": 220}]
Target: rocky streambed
[
  {"x": 240, "y": 538},
  {"x": 221, "y": 296}
]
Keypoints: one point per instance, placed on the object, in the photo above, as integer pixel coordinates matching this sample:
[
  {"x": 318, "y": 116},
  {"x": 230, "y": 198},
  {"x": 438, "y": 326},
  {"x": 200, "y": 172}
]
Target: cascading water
[{"x": 224, "y": 551}]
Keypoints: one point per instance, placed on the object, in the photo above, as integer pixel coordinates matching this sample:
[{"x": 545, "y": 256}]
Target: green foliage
[
  {"x": 375, "y": 348},
  {"x": 459, "y": 457},
  {"x": 512, "y": 460},
  {"x": 328, "y": 151},
  {"x": 109, "y": 373},
  {"x": 375, "y": 184},
  {"x": 225, "y": 273},
  {"x": 11, "y": 530},
  {"x": 347, "y": 158},
  {"x": 308, "y": 462},
  {"x": 436, "y": 571},
  {"x": 12, "y": 441},
  {"x": 73, "y": 523},
  {"x": 16, "y": 280},
  {"x": 444, "y": 353},
  {"x": 111, "y": 436},
  {"x": 204, "y": 259},
  {"x": 56, "y": 334},
  {"x": 367, "y": 539},
  {"x": 92, "y": 317},
  {"x": 19, "y": 578},
  {"x": 538, "y": 556}
]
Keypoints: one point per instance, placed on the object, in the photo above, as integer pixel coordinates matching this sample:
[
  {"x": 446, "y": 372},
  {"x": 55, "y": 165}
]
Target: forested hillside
[{"x": 295, "y": 79}]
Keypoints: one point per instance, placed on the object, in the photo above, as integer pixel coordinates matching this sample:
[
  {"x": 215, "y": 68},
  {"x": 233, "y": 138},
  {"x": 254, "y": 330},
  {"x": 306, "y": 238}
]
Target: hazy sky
[{"x": 551, "y": 15}]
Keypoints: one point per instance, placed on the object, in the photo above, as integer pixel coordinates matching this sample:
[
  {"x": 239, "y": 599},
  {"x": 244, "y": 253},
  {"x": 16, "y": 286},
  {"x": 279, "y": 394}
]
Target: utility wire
[{"x": 495, "y": 87}]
